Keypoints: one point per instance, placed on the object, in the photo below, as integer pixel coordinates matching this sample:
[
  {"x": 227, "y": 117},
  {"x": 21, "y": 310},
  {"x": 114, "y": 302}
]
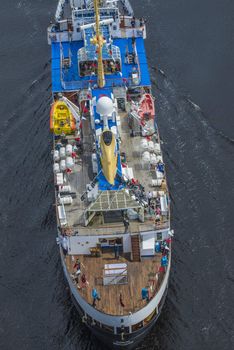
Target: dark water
[{"x": 192, "y": 44}]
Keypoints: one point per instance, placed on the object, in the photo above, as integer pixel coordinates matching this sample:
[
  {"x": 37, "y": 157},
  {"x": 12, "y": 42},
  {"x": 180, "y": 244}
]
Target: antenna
[{"x": 99, "y": 41}]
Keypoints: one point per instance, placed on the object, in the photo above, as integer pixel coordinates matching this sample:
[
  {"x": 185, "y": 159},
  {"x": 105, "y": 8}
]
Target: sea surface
[{"x": 190, "y": 49}]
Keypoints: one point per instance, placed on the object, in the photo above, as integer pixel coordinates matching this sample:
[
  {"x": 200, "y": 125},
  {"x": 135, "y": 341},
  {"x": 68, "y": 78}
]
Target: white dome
[{"x": 105, "y": 106}]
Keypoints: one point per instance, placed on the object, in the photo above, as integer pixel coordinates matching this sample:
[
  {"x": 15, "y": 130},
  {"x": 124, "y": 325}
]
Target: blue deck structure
[
  {"x": 65, "y": 79},
  {"x": 103, "y": 184},
  {"x": 68, "y": 79}
]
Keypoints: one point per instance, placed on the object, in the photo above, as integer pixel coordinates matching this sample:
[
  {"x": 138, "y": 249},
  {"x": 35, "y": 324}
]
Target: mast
[{"x": 99, "y": 41}]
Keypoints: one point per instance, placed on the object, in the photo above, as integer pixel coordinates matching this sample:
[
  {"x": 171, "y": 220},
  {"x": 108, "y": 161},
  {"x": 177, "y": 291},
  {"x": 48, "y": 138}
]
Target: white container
[
  {"x": 62, "y": 152},
  {"x": 161, "y": 193},
  {"x": 153, "y": 159},
  {"x": 144, "y": 144},
  {"x": 146, "y": 157},
  {"x": 66, "y": 188},
  {"x": 66, "y": 200},
  {"x": 157, "y": 148},
  {"x": 154, "y": 194},
  {"x": 156, "y": 183},
  {"x": 69, "y": 163},
  {"x": 94, "y": 163},
  {"x": 56, "y": 168},
  {"x": 68, "y": 150},
  {"x": 151, "y": 146},
  {"x": 59, "y": 178},
  {"x": 62, "y": 165},
  {"x": 159, "y": 175},
  {"x": 56, "y": 156},
  {"x": 159, "y": 159},
  {"x": 132, "y": 214}
]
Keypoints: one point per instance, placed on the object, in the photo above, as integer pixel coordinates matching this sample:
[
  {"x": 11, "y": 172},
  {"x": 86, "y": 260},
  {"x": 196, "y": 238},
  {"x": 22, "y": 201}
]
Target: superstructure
[{"x": 112, "y": 200}]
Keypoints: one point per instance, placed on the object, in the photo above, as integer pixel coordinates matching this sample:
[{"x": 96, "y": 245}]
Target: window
[
  {"x": 150, "y": 317},
  {"x": 89, "y": 319},
  {"x": 108, "y": 328},
  {"x": 159, "y": 236},
  {"x": 107, "y": 137},
  {"x": 122, "y": 329},
  {"x": 137, "y": 326},
  {"x": 102, "y": 240},
  {"x": 96, "y": 324}
]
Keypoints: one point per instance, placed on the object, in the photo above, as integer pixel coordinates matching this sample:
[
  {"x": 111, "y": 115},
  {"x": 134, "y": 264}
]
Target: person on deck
[
  {"x": 77, "y": 267},
  {"x": 126, "y": 224},
  {"x": 65, "y": 245},
  {"x": 121, "y": 300},
  {"x": 116, "y": 249},
  {"x": 95, "y": 296},
  {"x": 84, "y": 281},
  {"x": 133, "y": 22}
]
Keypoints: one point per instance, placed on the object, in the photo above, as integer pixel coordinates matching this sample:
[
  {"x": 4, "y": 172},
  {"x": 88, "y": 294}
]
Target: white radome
[{"x": 105, "y": 106}]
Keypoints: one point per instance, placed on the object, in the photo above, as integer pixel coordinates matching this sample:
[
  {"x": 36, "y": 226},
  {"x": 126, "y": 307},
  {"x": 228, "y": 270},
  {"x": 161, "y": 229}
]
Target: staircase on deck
[{"x": 135, "y": 242}]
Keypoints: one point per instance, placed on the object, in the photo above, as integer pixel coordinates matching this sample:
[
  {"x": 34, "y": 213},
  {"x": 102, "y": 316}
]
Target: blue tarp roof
[{"x": 74, "y": 81}]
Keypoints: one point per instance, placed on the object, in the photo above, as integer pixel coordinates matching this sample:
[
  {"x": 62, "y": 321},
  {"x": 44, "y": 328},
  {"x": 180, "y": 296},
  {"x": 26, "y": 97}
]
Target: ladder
[{"x": 135, "y": 242}]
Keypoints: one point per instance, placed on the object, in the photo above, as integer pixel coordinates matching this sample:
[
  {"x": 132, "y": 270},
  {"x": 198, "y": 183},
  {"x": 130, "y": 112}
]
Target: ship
[{"x": 111, "y": 193}]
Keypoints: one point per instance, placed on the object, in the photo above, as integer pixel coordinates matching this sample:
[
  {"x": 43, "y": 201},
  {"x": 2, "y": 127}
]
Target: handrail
[{"x": 110, "y": 82}]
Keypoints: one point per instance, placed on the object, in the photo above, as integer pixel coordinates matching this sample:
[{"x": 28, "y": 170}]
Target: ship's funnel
[{"x": 108, "y": 155}]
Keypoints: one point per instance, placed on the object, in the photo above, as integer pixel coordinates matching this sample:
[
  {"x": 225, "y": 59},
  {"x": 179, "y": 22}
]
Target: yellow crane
[{"x": 99, "y": 41}]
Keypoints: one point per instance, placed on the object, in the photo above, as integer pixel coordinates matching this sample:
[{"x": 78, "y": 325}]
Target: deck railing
[{"x": 92, "y": 83}]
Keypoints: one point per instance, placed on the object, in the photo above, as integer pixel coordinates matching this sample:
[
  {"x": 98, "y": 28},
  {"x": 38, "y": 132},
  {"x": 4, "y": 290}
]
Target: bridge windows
[{"x": 89, "y": 68}]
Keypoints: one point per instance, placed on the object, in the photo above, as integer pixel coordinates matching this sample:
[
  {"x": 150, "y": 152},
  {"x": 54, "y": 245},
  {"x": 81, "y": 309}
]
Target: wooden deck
[{"x": 140, "y": 275}]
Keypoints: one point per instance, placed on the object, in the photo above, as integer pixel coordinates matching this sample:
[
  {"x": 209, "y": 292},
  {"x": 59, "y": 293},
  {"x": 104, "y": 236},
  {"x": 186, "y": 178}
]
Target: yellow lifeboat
[
  {"x": 108, "y": 155},
  {"x": 61, "y": 119}
]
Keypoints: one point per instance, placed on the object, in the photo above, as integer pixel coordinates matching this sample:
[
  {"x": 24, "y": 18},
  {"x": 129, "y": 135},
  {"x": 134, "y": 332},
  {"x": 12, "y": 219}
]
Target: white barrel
[
  {"x": 56, "y": 168},
  {"x": 66, "y": 188},
  {"x": 161, "y": 193},
  {"x": 151, "y": 146},
  {"x": 62, "y": 165},
  {"x": 144, "y": 144},
  {"x": 159, "y": 175},
  {"x": 94, "y": 163},
  {"x": 146, "y": 157},
  {"x": 56, "y": 156},
  {"x": 159, "y": 159},
  {"x": 157, "y": 148},
  {"x": 68, "y": 150},
  {"x": 69, "y": 162},
  {"x": 153, "y": 159},
  {"x": 156, "y": 183},
  {"x": 66, "y": 200},
  {"x": 62, "y": 152}
]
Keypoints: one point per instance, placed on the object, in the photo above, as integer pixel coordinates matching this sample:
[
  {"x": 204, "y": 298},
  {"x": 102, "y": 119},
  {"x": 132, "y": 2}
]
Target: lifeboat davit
[
  {"x": 108, "y": 155},
  {"x": 146, "y": 108},
  {"x": 61, "y": 119}
]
